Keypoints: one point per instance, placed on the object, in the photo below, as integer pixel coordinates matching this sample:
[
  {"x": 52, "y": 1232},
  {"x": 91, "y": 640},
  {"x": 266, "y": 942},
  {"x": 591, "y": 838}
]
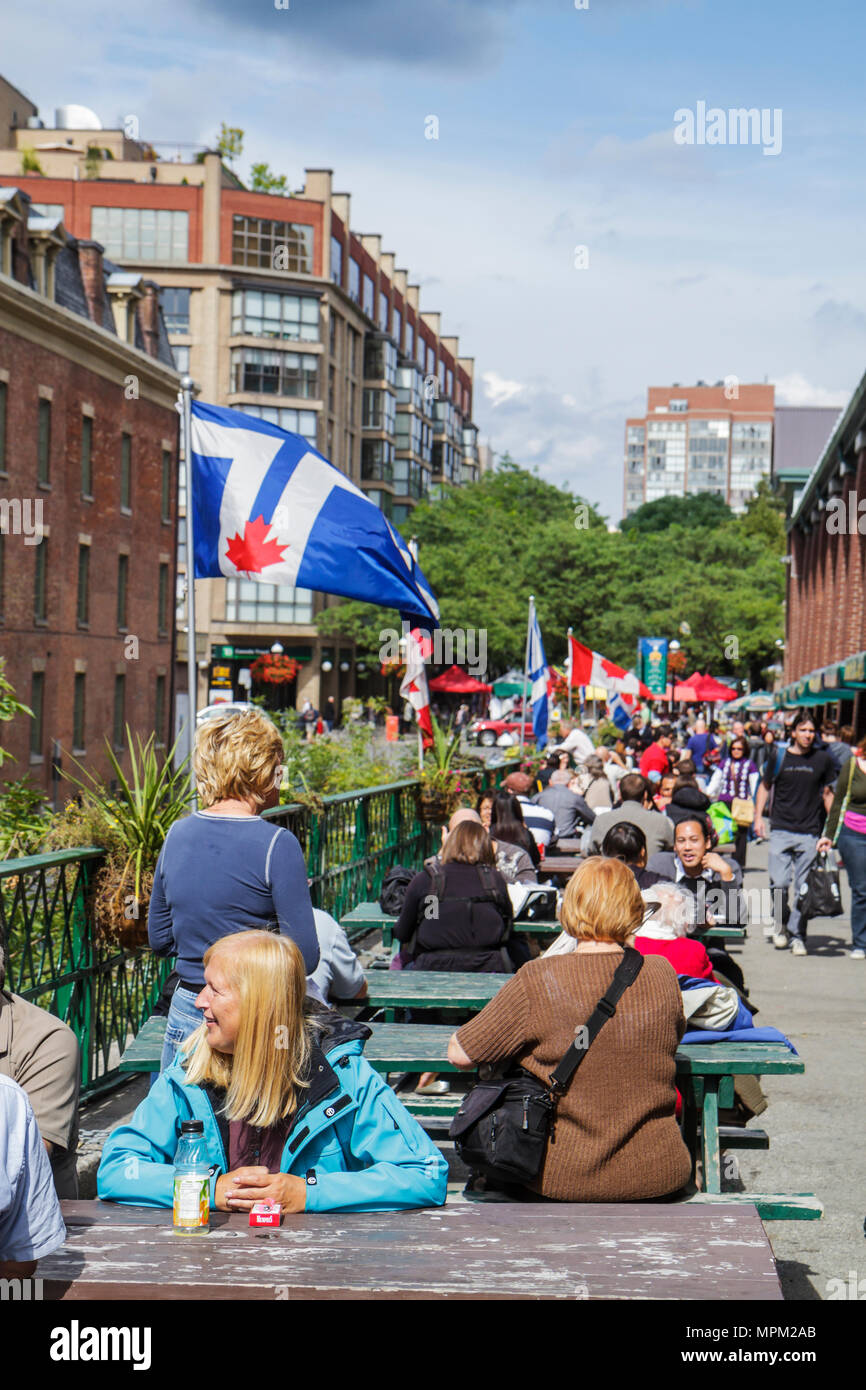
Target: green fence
[{"x": 105, "y": 994}]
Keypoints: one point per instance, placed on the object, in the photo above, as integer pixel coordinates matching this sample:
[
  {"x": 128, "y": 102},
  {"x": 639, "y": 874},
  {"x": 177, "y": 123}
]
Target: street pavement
[{"x": 816, "y": 1121}]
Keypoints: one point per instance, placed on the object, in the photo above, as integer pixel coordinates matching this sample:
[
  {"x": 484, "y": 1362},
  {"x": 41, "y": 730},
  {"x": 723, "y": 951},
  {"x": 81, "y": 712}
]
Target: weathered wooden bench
[{"x": 563, "y": 1251}]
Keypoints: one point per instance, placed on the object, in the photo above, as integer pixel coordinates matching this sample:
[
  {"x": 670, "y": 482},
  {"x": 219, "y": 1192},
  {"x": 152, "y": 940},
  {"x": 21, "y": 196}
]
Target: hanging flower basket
[
  {"x": 119, "y": 920},
  {"x": 438, "y": 795},
  {"x": 274, "y": 669}
]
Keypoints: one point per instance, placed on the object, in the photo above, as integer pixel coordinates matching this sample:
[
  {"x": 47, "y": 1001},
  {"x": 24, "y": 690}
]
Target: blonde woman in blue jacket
[{"x": 292, "y": 1111}]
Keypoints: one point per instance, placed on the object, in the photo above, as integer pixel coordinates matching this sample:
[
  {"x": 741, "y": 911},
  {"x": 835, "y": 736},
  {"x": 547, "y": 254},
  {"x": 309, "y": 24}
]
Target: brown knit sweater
[{"x": 616, "y": 1137}]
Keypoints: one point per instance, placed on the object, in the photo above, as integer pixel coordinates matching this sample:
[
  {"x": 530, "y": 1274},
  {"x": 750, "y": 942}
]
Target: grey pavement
[{"x": 816, "y": 1121}]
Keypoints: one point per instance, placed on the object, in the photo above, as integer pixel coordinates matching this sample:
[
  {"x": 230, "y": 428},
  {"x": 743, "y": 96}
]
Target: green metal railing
[{"x": 55, "y": 959}]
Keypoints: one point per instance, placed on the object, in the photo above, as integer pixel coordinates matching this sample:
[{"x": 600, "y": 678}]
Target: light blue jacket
[{"x": 357, "y": 1147}]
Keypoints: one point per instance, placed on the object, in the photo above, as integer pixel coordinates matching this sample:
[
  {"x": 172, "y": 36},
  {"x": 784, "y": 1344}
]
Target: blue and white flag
[
  {"x": 537, "y": 671},
  {"x": 267, "y": 506},
  {"x": 617, "y": 710}
]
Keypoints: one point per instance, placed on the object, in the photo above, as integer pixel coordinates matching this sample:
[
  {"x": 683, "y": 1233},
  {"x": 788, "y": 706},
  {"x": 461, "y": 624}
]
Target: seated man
[
  {"x": 30, "y": 1221},
  {"x": 39, "y": 1052},
  {"x": 637, "y": 808},
  {"x": 538, "y": 820},
  {"x": 339, "y": 974},
  {"x": 570, "y": 811}
]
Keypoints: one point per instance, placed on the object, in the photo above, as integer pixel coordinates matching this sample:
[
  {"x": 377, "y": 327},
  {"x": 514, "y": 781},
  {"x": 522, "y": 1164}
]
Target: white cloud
[
  {"x": 794, "y": 389},
  {"x": 498, "y": 390}
]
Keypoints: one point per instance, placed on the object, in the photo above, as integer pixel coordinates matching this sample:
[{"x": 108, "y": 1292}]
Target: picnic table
[
  {"x": 368, "y": 917},
  {"x": 431, "y": 989},
  {"x": 563, "y": 1251},
  {"x": 705, "y": 1076}
]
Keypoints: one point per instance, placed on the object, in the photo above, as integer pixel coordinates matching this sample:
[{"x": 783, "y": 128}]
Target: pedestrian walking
[
  {"x": 795, "y": 791},
  {"x": 735, "y": 784},
  {"x": 846, "y": 828}
]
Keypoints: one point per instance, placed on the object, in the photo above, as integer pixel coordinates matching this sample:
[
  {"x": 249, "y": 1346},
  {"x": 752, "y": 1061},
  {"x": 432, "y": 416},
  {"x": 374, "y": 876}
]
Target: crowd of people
[{"x": 663, "y": 820}]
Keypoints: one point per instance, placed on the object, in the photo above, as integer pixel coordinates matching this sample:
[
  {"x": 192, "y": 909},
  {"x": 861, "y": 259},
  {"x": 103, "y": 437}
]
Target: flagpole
[
  {"x": 570, "y": 672},
  {"x": 526, "y": 673},
  {"x": 187, "y": 386}
]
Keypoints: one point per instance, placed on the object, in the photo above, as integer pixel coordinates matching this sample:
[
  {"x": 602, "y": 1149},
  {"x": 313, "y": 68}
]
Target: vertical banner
[{"x": 652, "y": 655}]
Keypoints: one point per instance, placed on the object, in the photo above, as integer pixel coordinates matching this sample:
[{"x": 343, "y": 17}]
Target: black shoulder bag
[{"x": 502, "y": 1128}]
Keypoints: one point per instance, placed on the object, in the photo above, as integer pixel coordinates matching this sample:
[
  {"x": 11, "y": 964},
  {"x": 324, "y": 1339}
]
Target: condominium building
[
  {"x": 694, "y": 439},
  {"x": 277, "y": 308}
]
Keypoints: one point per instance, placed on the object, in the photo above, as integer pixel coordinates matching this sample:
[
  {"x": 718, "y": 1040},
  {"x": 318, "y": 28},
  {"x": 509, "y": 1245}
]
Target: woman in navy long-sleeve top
[{"x": 223, "y": 869}]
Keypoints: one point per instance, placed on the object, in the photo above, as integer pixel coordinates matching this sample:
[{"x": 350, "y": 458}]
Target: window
[
  {"x": 420, "y": 350},
  {"x": 141, "y": 234},
  {"x": 355, "y": 281},
  {"x": 125, "y": 472},
  {"x": 159, "y": 712},
  {"x": 83, "y": 610},
  {"x": 119, "y": 719},
  {"x": 3, "y": 396},
  {"x": 48, "y": 209},
  {"x": 379, "y": 411},
  {"x": 43, "y": 444},
  {"x": 302, "y": 422},
  {"x": 37, "y": 704},
  {"x": 397, "y": 327},
  {"x": 678, "y": 406},
  {"x": 40, "y": 596},
  {"x": 78, "y": 736},
  {"x": 86, "y": 456},
  {"x": 122, "y": 588},
  {"x": 181, "y": 358},
  {"x": 431, "y": 361},
  {"x": 162, "y": 601},
  {"x": 377, "y": 461},
  {"x": 384, "y": 307},
  {"x": 382, "y": 500},
  {"x": 264, "y": 314},
  {"x": 369, "y": 303},
  {"x": 257, "y": 241},
  {"x": 175, "y": 310},
  {"x": 336, "y": 261},
  {"x": 165, "y": 489},
  {"x": 272, "y": 373},
  {"x": 353, "y": 350},
  {"x": 332, "y": 333},
  {"x": 247, "y": 601},
  {"x": 380, "y": 360}
]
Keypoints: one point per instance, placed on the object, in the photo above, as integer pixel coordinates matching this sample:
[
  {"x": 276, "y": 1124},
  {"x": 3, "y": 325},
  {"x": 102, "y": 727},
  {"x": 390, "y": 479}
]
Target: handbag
[
  {"x": 503, "y": 1127},
  {"x": 820, "y": 894},
  {"x": 742, "y": 810}
]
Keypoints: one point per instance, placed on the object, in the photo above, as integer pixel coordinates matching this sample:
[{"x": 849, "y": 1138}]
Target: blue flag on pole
[
  {"x": 537, "y": 672},
  {"x": 618, "y": 712},
  {"x": 267, "y": 506}
]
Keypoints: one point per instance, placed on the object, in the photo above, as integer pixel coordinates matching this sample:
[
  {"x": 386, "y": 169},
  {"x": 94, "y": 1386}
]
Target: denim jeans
[
  {"x": 183, "y": 1019},
  {"x": 789, "y": 854},
  {"x": 852, "y": 847}
]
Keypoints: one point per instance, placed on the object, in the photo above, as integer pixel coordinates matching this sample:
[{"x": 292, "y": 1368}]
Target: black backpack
[{"x": 394, "y": 887}]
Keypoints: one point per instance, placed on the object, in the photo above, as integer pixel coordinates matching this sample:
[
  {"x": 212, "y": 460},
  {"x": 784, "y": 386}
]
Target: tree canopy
[{"x": 698, "y": 509}]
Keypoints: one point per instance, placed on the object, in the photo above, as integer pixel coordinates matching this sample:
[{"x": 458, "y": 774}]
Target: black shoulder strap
[{"x": 626, "y": 973}]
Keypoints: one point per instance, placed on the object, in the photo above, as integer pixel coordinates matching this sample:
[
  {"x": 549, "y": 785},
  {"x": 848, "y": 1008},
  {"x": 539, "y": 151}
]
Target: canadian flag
[
  {"x": 414, "y": 686},
  {"x": 586, "y": 667}
]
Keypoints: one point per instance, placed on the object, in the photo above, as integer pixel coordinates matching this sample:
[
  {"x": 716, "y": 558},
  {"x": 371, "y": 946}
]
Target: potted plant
[
  {"x": 440, "y": 786},
  {"x": 131, "y": 823}
]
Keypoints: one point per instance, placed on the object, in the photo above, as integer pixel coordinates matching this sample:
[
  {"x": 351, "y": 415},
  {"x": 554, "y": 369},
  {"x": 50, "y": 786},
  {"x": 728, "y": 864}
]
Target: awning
[{"x": 457, "y": 682}]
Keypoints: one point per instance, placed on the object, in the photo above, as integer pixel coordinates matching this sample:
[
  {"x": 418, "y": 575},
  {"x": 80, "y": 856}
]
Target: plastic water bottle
[{"x": 191, "y": 1181}]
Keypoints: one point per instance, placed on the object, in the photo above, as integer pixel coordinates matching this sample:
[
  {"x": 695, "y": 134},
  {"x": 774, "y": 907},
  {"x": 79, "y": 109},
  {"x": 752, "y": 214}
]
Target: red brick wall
[{"x": 60, "y": 642}]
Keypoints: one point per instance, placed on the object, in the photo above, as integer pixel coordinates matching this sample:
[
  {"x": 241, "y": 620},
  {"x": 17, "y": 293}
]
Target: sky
[{"x": 578, "y": 249}]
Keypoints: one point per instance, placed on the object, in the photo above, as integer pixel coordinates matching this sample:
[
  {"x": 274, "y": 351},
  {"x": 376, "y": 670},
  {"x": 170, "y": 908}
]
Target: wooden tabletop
[
  {"x": 371, "y": 916},
  {"x": 568, "y": 1251},
  {"x": 432, "y": 989}
]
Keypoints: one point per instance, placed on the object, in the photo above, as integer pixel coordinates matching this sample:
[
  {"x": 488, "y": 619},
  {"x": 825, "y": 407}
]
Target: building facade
[
  {"x": 825, "y": 646},
  {"x": 277, "y": 308},
  {"x": 88, "y": 505},
  {"x": 699, "y": 439}
]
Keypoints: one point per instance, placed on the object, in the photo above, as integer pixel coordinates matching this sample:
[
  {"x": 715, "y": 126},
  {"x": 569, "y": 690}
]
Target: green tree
[
  {"x": 230, "y": 143},
  {"x": 698, "y": 509},
  {"x": 263, "y": 180},
  {"x": 765, "y": 516}
]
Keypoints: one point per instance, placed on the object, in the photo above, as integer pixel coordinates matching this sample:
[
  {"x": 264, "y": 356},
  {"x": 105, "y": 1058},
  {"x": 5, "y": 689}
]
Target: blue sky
[{"x": 555, "y": 131}]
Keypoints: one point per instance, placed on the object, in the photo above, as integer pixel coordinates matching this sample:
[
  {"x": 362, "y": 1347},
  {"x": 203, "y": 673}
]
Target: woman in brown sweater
[{"x": 616, "y": 1138}]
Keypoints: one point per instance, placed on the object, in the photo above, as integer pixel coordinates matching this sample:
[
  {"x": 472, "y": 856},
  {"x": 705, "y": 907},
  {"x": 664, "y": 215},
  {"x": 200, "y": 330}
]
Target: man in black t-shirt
[{"x": 801, "y": 783}]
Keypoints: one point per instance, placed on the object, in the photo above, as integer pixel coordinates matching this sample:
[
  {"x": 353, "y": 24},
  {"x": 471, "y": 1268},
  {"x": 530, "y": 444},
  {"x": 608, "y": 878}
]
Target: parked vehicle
[{"x": 488, "y": 731}]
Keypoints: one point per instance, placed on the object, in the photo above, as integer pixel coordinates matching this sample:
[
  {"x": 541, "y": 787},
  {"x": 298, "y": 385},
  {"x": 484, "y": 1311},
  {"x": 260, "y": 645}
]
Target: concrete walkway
[{"x": 816, "y": 1121}]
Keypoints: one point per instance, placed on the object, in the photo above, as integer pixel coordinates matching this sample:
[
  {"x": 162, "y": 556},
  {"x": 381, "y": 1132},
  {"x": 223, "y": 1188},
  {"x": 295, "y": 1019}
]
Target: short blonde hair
[
  {"x": 602, "y": 902},
  {"x": 236, "y": 756},
  {"x": 268, "y": 1071}
]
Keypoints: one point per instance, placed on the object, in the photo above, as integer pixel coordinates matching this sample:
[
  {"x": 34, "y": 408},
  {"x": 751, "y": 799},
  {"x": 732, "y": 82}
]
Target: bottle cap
[{"x": 192, "y": 1127}]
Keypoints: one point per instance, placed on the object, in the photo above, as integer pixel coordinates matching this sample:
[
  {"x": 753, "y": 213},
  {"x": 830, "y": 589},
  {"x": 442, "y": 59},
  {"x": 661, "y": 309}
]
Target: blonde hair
[
  {"x": 236, "y": 756},
  {"x": 602, "y": 902},
  {"x": 270, "y": 1065}
]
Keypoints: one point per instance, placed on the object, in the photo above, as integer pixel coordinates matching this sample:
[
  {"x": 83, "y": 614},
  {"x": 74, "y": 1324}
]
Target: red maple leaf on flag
[{"x": 252, "y": 552}]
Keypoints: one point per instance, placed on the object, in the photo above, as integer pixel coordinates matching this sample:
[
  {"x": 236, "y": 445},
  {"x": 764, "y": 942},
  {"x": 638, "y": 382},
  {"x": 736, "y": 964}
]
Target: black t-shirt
[{"x": 797, "y": 802}]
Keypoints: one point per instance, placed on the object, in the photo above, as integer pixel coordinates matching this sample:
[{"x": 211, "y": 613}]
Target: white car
[{"x": 225, "y": 707}]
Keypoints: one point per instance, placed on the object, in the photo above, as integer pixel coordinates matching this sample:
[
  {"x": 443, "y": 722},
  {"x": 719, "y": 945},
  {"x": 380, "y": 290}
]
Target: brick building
[
  {"x": 694, "y": 439},
  {"x": 88, "y": 504},
  {"x": 276, "y": 307},
  {"x": 825, "y": 649}
]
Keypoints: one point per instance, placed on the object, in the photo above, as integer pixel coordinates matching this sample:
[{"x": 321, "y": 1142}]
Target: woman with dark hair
[
  {"x": 628, "y": 843},
  {"x": 736, "y": 780},
  {"x": 687, "y": 799},
  {"x": 506, "y": 823}
]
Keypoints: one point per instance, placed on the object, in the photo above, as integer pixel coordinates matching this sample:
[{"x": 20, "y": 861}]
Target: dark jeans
[{"x": 852, "y": 847}]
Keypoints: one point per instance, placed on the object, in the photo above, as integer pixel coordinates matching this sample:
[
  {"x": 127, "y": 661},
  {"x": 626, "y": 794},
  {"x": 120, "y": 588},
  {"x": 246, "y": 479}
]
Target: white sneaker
[
  {"x": 781, "y": 940},
  {"x": 798, "y": 947},
  {"x": 857, "y": 954}
]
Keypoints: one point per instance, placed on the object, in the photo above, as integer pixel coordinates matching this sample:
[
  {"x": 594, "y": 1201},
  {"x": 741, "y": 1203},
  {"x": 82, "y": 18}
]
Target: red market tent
[
  {"x": 684, "y": 691},
  {"x": 456, "y": 682},
  {"x": 711, "y": 690}
]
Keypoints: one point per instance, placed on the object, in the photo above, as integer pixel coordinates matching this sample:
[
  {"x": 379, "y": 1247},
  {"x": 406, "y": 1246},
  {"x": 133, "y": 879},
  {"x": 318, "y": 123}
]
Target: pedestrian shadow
[
  {"x": 796, "y": 1281},
  {"x": 827, "y": 945}
]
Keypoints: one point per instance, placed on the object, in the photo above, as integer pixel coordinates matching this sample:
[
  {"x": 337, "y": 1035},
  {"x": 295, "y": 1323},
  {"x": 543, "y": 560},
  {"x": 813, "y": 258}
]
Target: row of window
[
  {"x": 79, "y": 713},
  {"x": 273, "y": 373},
  {"x": 83, "y": 592},
  {"x": 43, "y": 457}
]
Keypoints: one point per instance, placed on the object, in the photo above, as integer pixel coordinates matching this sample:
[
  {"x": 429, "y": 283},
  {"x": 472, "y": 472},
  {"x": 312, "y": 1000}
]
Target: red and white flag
[
  {"x": 414, "y": 687},
  {"x": 587, "y": 667}
]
